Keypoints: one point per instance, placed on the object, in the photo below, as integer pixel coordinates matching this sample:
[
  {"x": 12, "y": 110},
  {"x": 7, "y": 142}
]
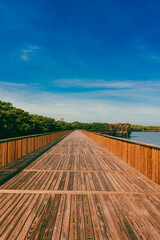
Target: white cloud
[
  {"x": 93, "y": 83},
  {"x": 28, "y": 52},
  {"x": 106, "y": 84},
  {"x": 12, "y": 84},
  {"x": 82, "y": 108},
  {"x": 33, "y": 47},
  {"x": 25, "y": 58}
]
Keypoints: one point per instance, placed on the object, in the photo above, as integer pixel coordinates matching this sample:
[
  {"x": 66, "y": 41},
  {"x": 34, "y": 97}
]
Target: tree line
[
  {"x": 145, "y": 128},
  {"x": 16, "y": 122}
]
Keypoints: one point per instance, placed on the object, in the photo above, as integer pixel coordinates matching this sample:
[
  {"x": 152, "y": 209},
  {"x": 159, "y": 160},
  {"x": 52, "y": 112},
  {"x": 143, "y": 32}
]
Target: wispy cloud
[
  {"x": 12, "y": 84},
  {"x": 28, "y": 52},
  {"x": 86, "y": 107},
  {"x": 114, "y": 84},
  {"x": 93, "y": 83},
  {"x": 146, "y": 51},
  {"x": 155, "y": 57}
]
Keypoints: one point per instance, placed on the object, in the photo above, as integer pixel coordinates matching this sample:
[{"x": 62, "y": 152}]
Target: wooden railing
[
  {"x": 144, "y": 157},
  {"x": 15, "y": 148}
]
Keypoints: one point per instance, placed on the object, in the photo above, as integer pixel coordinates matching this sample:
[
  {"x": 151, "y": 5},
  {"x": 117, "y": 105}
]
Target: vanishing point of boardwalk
[{"x": 79, "y": 190}]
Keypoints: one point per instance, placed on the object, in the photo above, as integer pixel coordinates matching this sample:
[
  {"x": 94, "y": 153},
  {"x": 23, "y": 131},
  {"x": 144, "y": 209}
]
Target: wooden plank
[
  {"x": 89, "y": 232},
  {"x": 24, "y": 147},
  {"x": 11, "y": 151},
  {"x": 149, "y": 163},
  {"x": 3, "y": 154},
  {"x": 19, "y": 148},
  {"x": 57, "y": 228},
  {"x": 66, "y": 219},
  {"x": 73, "y": 219},
  {"x": 80, "y": 218}
]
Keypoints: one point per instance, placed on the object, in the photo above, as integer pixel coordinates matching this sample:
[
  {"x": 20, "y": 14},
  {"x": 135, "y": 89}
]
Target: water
[{"x": 146, "y": 137}]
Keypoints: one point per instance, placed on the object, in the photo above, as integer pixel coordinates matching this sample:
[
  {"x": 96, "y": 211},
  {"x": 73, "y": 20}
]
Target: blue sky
[{"x": 82, "y": 60}]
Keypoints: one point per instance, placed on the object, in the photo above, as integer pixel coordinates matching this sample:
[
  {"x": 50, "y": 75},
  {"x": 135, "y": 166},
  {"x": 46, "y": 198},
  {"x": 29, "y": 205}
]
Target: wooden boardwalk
[{"x": 79, "y": 190}]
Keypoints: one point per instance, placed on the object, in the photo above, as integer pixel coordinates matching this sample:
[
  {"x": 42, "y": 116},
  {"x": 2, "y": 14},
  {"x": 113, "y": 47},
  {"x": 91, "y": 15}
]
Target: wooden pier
[
  {"x": 78, "y": 190},
  {"x": 116, "y": 130}
]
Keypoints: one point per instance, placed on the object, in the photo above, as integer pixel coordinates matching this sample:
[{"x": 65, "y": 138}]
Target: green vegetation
[
  {"x": 145, "y": 128},
  {"x": 15, "y": 122}
]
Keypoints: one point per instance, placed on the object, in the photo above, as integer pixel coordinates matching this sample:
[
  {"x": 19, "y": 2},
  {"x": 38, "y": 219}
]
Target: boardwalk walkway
[{"x": 79, "y": 190}]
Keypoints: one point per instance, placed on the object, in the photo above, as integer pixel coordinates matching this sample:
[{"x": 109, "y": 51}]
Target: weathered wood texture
[
  {"x": 144, "y": 157},
  {"x": 15, "y": 148},
  {"x": 79, "y": 190}
]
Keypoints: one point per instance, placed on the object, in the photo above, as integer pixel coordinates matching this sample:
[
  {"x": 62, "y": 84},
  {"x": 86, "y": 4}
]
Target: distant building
[{"x": 61, "y": 119}]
